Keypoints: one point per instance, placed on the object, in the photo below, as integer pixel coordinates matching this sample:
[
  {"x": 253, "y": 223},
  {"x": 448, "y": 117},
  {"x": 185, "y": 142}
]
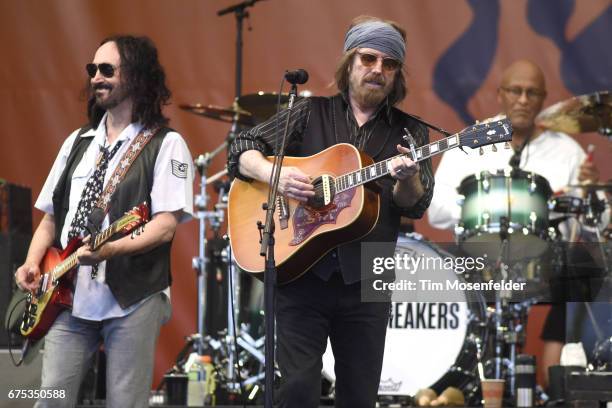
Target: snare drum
[
  {"x": 427, "y": 344},
  {"x": 512, "y": 203}
]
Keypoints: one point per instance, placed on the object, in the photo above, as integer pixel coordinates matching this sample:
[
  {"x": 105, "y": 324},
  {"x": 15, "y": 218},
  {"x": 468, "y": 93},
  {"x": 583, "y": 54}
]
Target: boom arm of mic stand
[{"x": 237, "y": 7}]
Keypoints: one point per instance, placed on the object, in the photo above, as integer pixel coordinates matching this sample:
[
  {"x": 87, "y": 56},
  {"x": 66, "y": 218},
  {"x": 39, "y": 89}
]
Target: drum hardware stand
[
  {"x": 594, "y": 209},
  {"x": 215, "y": 218},
  {"x": 241, "y": 337},
  {"x": 509, "y": 320},
  {"x": 503, "y": 329}
]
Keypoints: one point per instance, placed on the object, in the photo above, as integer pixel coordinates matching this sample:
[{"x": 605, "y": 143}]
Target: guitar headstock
[
  {"x": 490, "y": 131},
  {"x": 134, "y": 218}
]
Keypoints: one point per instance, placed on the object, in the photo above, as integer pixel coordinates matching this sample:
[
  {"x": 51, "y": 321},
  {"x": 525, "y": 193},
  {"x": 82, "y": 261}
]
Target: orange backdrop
[{"x": 45, "y": 45}]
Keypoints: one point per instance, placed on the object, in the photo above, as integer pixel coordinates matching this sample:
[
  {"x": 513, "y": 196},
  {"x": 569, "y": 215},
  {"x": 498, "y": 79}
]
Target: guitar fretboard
[
  {"x": 71, "y": 261},
  {"x": 382, "y": 168}
]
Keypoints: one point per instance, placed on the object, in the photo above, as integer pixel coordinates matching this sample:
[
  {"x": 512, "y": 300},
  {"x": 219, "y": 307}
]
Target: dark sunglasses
[
  {"x": 388, "y": 64},
  {"x": 107, "y": 70}
]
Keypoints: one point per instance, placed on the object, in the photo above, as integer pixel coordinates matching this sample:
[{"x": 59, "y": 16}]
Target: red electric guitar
[{"x": 54, "y": 293}]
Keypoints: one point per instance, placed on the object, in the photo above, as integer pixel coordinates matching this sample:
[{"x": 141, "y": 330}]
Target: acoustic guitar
[{"x": 343, "y": 209}]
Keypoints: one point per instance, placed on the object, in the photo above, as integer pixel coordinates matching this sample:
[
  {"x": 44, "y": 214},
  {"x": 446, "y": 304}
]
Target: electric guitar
[
  {"x": 341, "y": 211},
  {"x": 54, "y": 293}
]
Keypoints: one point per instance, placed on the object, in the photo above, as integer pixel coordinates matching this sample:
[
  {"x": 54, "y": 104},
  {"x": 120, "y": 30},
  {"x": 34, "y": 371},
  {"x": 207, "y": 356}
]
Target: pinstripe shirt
[{"x": 263, "y": 138}]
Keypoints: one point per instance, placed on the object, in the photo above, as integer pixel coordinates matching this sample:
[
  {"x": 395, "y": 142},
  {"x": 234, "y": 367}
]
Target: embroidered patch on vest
[{"x": 179, "y": 169}]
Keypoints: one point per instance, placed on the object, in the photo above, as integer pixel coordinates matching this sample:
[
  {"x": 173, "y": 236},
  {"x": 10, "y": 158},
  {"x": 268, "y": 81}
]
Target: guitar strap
[{"x": 130, "y": 155}]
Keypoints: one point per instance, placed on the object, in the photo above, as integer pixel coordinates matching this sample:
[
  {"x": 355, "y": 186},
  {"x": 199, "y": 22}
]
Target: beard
[
  {"x": 114, "y": 95},
  {"x": 366, "y": 96}
]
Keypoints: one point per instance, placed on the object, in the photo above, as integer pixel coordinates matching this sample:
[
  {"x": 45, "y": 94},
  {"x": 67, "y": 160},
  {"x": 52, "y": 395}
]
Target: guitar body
[
  {"x": 310, "y": 233},
  {"x": 54, "y": 293},
  {"x": 52, "y": 297}
]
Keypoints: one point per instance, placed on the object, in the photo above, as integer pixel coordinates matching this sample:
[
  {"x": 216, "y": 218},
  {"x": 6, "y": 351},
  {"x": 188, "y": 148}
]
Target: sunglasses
[
  {"x": 107, "y": 70},
  {"x": 388, "y": 64}
]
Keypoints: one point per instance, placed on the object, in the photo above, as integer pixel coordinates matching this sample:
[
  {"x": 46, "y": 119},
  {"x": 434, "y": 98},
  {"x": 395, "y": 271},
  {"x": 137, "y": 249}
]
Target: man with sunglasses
[
  {"x": 326, "y": 300},
  {"x": 120, "y": 290}
]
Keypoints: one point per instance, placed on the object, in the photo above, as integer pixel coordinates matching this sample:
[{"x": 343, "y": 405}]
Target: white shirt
[
  {"x": 93, "y": 299},
  {"x": 553, "y": 155}
]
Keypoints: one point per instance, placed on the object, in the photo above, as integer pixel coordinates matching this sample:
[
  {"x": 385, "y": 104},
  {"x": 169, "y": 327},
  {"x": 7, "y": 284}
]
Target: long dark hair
[
  {"x": 341, "y": 77},
  {"x": 144, "y": 79}
]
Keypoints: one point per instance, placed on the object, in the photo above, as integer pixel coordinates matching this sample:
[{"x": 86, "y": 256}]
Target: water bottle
[{"x": 196, "y": 387}]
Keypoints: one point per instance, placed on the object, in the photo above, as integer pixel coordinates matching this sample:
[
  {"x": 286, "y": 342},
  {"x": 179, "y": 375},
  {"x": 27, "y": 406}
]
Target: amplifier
[{"x": 589, "y": 386}]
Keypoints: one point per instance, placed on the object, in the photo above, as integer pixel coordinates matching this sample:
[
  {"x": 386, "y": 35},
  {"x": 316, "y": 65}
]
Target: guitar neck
[
  {"x": 72, "y": 261},
  {"x": 382, "y": 168}
]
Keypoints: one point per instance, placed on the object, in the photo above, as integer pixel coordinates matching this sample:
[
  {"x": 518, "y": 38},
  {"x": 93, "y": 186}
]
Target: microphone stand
[
  {"x": 240, "y": 11},
  {"x": 267, "y": 251}
]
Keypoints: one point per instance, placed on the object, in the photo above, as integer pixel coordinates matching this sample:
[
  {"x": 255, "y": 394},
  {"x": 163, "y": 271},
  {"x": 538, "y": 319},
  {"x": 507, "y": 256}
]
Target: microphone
[{"x": 299, "y": 76}]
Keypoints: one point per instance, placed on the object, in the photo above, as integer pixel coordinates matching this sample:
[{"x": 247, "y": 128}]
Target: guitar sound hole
[{"x": 318, "y": 201}]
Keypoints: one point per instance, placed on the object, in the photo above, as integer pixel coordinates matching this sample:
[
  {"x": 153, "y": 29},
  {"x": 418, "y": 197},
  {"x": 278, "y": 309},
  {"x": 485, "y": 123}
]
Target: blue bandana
[{"x": 377, "y": 35}]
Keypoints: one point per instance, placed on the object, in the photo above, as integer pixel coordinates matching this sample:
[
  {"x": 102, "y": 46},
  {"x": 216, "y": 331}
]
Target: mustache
[
  {"x": 375, "y": 78},
  {"x": 101, "y": 85}
]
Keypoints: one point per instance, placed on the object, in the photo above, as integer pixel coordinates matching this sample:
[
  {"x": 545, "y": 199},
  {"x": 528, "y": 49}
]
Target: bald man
[{"x": 553, "y": 155}]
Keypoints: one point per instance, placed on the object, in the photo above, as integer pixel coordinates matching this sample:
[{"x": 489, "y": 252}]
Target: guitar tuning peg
[
  {"x": 494, "y": 148},
  {"x": 481, "y": 151},
  {"x": 132, "y": 235},
  {"x": 506, "y": 145}
]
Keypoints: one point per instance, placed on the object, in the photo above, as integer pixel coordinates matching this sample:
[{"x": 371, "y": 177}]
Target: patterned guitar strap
[{"x": 92, "y": 193}]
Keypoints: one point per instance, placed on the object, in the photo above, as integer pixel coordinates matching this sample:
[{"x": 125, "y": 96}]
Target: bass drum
[{"x": 428, "y": 344}]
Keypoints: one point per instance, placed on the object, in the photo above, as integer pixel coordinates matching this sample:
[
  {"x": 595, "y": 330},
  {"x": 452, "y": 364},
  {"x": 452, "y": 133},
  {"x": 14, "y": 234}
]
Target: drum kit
[{"x": 504, "y": 214}]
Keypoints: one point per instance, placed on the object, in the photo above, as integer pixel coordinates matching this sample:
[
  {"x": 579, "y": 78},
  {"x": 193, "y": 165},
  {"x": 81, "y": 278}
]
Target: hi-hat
[
  {"x": 229, "y": 114},
  {"x": 585, "y": 113}
]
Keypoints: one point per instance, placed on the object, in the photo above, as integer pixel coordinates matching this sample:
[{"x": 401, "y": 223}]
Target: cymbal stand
[
  {"x": 594, "y": 208},
  {"x": 215, "y": 218}
]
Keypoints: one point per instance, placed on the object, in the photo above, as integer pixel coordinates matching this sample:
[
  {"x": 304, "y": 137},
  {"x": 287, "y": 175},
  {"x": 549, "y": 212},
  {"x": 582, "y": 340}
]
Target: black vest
[
  {"x": 326, "y": 127},
  {"x": 134, "y": 277}
]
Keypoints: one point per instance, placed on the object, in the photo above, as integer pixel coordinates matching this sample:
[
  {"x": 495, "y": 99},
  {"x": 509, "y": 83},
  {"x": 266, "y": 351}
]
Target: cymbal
[
  {"x": 593, "y": 186},
  {"x": 220, "y": 113},
  {"x": 262, "y": 105},
  {"x": 580, "y": 114}
]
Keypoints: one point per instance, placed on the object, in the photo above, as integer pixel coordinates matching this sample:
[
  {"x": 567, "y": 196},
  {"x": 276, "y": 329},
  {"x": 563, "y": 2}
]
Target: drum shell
[{"x": 520, "y": 197}]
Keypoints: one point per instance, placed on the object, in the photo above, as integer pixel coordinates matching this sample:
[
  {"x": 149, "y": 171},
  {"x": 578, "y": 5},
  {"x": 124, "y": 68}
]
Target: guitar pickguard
[{"x": 307, "y": 219}]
